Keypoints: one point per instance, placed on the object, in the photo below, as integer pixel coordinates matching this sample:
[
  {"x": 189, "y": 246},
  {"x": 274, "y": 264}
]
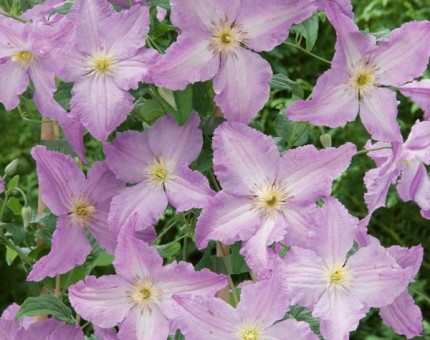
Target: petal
[
  {"x": 332, "y": 104},
  {"x": 290, "y": 330},
  {"x": 70, "y": 248},
  {"x": 189, "y": 189},
  {"x": 13, "y": 81},
  {"x": 59, "y": 179},
  {"x": 176, "y": 143},
  {"x": 378, "y": 112},
  {"x": 187, "y": 60},
  {"x": 147, "y": 325},
  {"x": 404, "y": 55},
  {"x": 128, "y": 155},
  {"x": 309, "y": 172},
  {"x": 148, "y": 202},
  {"x": 267, "y": 23},
  {"x": 403, "y": 315},
  {"x": 418, "y": 142},
  {"x": 243, "y": 157},
  {"x": 100, "y": 105},
  {"x": 133, "y": 257},
  {"x": 208, "y": 318},
  {"x": 98, "y": 226},
  {"x": 419, "y": 92},
  {"x": 242, "y": 85},
  {"x": 101, "y": 182},
  {"x": 227, "y": 219},
  {"x": 408, "y": 257},
  {"x": 68, "y": 332},
  {"x": 74, "y": 133},
  {"x": 103, "y": 300},
  {"x": 300, "y": 224}
]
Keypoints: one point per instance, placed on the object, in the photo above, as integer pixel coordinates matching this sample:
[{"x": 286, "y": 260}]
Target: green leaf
[
  {"x": 160, "y": 3},
  {"x": 63, "y": 95},
  {"x": 45, "y": 304},
  {"x": 46, "y": 219},
  {"x": 184, "y": 103},
  {"x": 60, "y": 145},
  {"x": 148, "y": 110},
  {"x": 10, "y": 255},
  {"x": 169, "y": 249},
  {"x": 304, "y": 314},
  {"x": 294, "y": 133},
  {"x": 14, "y": 205},
  {"x": 203, "y": 162},
  {"x": 13, "y": 183},
  {"x": 238, "y": 263},
  {"x": 309, "y": 29},
  {"x": 101, "y": 259},
  {"x": 203, "y": 98},
  {"x": 65, "y": 9},
  {"x": 161, "y": 29},
  {"x": 282, "y": 82},
  {"x": 18, "y": 232}
]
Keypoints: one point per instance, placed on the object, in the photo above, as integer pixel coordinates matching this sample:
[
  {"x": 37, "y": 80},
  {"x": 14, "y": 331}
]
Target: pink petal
[
  {"x": 13, "y": 81},
  {"x": 161, "y": 13},
  {"x": 73, "y": 132},
  {"x": 242, "y": 85},
  {"x": 300, "y": 224},
  {"x": 418, "y": 142},
  {"x": 290, "y": 330},
  {"x": 408, "y": 257},
  {"x": 103, "y": 300},
  {"x": 419, "y": 92},
  {"x": 98, "y": 227},
  {"x": 101, "y": 182}
]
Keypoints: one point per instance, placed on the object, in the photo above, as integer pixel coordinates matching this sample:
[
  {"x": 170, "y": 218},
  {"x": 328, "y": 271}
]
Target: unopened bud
[
  {"x": 11, "y": 168},
  {"x": 325, "y": 140},
  {"x": 26, "y": 214},
  {"x": 168, "y": 96}
]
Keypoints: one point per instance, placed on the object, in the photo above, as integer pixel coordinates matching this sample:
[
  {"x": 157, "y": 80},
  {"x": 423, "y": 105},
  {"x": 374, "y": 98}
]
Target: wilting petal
[
  {"x": 189, "y": 189},
  {"x": 128, "y": 155},
  {"x": 290, "y": 330},
  {"x": 309, "y": 173},
  {"x": 59, "y": 179},
  {"x": 70, "y": 248},
  {"x": 208, "y": 318},
  {"x": 103, "y": 300},
  {"x": 227, "y": 219},
  {"x": 186, "y": 61},
  {"x": 242, "y": 85},
  {"x": 404, "y": 55},
  {"x": 13, "y": 81},
  {"x": 243, "y": 157},
  {"x": 100, "y": 104},
  {"x": 147, "y": 325},
  {"x": 332, "y": 104},
  {"x": 267, "y": 23},
  {"x": 101, "y": 182},
  {"x": 147, "y": 201},
  {"x": 403, "y": 315},
  {"x": 176, "y": 143},
  {"x": 419, "y": 92},
  {"x": 378, "y": 112}
]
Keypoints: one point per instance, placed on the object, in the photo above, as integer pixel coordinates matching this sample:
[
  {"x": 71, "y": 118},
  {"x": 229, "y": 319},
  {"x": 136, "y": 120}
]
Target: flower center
[
  {"x": 81, "y": 209},
  {"x": 338, "y": 277},
  {"x": 226, "y": 38},
  {"x": 362, "y": 78},
  {"x": 101, "y": 63},
  {"x": 250, "y": 335},
  {"x": 250, "y": 331},
  {"x": 159, "y": 171},
  {"x": 270, "y": 197},
  {"x": 144, "y": 293},
  {"x": 23, "y": 57}
]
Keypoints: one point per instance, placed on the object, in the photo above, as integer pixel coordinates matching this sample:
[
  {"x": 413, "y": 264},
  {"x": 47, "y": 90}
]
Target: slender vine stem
[
  {"x": 307, "y": 52},
  {"x": 15, "y": 17},
  {"x": 369, "y": 150}
]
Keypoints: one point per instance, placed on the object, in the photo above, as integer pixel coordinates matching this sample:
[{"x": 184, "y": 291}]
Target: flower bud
[
  {"x": 325, "y": 140},
  {"x": 26, "y": 214},
  {"x": 11, "y": 168},
  {"x": 167, "y": 95}
]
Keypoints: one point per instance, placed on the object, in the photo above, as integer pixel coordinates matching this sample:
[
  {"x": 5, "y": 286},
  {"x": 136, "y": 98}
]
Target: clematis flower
[
  {"x": 344, "y": 5},
  {"x": 407, "y": 160},
  {"x": 78, "y": 202},
  {"x": 34, "y": 50},
  {"x": 261, "y": 304},
  {"x": 25, "y": 329},
  {"x": 158, "y": 162},
  {"x": 265, "y": 197},
  {"x": 213, "y": 43},
  {"x": 359, "y": 71},
  {"x": 42, "y": 12},
  {"x": 140, "y": 297},
  {"x": 338, "y": 290},
  {"x": 419, "y": 92},
  {"x": 107, "y": 59}
]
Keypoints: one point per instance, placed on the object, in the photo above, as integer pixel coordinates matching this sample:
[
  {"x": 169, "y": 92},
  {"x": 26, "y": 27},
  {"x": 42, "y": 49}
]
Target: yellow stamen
[
  {"x": 24, "y": 58},
  {"x": 81, "y": 209},
  {"x": 144, "y": 293},
  {"x": 250, "y": 331},
  {"x": 159, "y": 171},
  {"x": 226, "y": 37},
  {"x": 270, "y": 197},
  {"x": 100, "y": 63},
  {"x": 338, "y": 277},
  {"x": 362, "y": 78}
]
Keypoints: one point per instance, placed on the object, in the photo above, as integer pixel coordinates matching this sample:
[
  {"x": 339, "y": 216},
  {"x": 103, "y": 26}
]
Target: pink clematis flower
[
  {"x": 140, "y": 297},
  {"x": 212, "y": 44},
  {"x": 407, "y": 160},
  {"x": 419, "y": 92},
  {"x": 359, "y": 69},
  {"x": 158, "y": 162},
  {"x": 338, "y": 290},
  {"x": 265, "y": 197},
  {"x": 107, "y": 59},
  {"x": 78, "y": 202},
  {"x": 261, "y": 304}
]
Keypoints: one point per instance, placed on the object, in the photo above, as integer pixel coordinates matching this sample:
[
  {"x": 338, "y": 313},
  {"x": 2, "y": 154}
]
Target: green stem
[
  {"x": 170, "y": 226},
  {"x": 369, "y": 150},
  {"x": 23, "y": 257},
  {"x": 184, "y": 249},
  {"x": 307, "y": 52},
  {"x": 129, "y": 3},
  {"x": 154, "y": 44},
  {"x": 22, "y": 194},
  {"x": 425, "y": 297},
  {"x": 6, "y": 198},
  {"x": 15, "y": 17},
  {"x": 214, "y": 181}
]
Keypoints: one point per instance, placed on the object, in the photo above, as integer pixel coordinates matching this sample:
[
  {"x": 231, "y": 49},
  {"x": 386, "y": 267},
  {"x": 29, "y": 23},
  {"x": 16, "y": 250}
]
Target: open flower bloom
[
  {"x": 215, "y": 41},
  {"x": 107, "y": 59},
  {"x": 338, "y": 290},
  {"x": 265, "y": 197},
  {"x": 157, "y": 161},
  {"x": 359, "y": 71},
  {"x": 407, "y": 160},
  {"x": 419, "y": 92},
  {"x": 261, "y": 304},
  {"x": 78, "y": 202},
  {"x": 34, "y": 50},
  {"x": 140, "y": 296}
]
